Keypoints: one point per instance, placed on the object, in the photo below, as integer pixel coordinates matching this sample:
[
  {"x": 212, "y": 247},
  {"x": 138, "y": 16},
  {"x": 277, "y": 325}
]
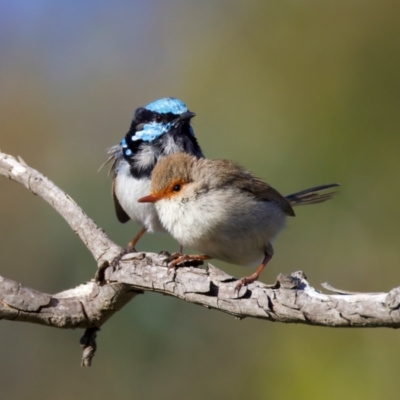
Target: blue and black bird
[{"x": 157, "y": 130}]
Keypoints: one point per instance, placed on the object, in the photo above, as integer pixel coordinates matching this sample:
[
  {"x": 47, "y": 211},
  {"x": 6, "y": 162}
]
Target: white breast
[
  {"x": 224, "y": 224},
  {"x": 128, "y": 191}
]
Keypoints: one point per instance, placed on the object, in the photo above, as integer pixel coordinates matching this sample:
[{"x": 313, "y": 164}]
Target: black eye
[
  {"x": 158, "y": 118},
  {"x": 176, "y": 188}
]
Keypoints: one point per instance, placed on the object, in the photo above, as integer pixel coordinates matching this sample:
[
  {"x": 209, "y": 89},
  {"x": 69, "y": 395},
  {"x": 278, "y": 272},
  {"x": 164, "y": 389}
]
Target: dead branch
[{"x": 291, "y": 299}]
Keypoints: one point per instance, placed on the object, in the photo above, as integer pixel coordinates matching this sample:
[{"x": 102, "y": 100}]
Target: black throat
[{"x": 145, "y": 155}]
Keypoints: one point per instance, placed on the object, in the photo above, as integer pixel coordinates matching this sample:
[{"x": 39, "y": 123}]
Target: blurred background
[{"x": 302, "y": 93}]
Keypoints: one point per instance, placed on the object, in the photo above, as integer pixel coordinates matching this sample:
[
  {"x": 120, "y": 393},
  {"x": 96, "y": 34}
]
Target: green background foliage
[{"x": 301, "y": 92}]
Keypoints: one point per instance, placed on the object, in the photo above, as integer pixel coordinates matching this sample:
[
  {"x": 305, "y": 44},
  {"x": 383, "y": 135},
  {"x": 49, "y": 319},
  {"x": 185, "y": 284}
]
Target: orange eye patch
[{"x": 172, "y": 189}]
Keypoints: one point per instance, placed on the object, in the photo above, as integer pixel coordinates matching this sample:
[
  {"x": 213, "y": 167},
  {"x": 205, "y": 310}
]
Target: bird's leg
[
  {"x": 130, "y": 248},
  {"x": 253, "y": 277},
  {"x": 184, "y": 260},
  {"x": 131, "y": 245}
]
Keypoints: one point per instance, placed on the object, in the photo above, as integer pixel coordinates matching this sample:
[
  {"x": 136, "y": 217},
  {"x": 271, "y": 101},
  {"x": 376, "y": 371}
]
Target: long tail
[{"x": 317, "y": 194}]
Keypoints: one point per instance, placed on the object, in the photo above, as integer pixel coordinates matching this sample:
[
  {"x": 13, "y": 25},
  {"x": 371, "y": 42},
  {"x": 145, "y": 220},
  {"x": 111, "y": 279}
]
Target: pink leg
[
  {"x": 129, "y": 249},
  {"x": 196, "y": 259},
  {"x": 253, "y": 277},
  {"x": 131, "y": 245}
]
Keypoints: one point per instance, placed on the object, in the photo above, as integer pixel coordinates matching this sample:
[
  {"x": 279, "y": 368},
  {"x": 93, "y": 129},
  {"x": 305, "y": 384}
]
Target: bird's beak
[
  {"x": 185, "y": 116},
  {"x": 149, "y": 199}
]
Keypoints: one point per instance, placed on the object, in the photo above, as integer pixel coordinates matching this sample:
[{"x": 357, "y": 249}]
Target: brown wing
[
  {"x": 265, "y": 192},
  {"x": 225, "y": 172},
  {"x": 121, "y": 214}
]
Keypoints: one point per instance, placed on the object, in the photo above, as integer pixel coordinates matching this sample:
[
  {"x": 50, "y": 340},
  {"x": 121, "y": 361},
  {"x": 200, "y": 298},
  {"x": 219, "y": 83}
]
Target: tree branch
[
  {"x": 91, "y": 235},
  {"x": 291, "y": 299}
]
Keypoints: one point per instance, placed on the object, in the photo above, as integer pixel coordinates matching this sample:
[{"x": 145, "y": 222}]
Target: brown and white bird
[{"x": 222, "y": 210}]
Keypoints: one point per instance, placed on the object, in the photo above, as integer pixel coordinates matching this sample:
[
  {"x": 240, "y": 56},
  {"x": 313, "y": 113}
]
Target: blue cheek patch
[
  {"x": 127, "y": 152},
  {"x": 151, "y": 132},
  {"x": 168, "y": 105}
]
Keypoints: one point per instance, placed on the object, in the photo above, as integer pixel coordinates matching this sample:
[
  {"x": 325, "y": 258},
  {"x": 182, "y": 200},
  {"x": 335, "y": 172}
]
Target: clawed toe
[
  {"x": 170, "y": 258},
  {"x": 245, "y": 281},
  {"x": 242, "y": 282},
  {"x": 116, "y": 260},
  {"x": 177, "y": 260}
]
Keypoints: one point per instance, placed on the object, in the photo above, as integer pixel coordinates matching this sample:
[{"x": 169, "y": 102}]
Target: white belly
[
  {"x": 227, "y": 227},
  {"x": 128, "y": 191}
]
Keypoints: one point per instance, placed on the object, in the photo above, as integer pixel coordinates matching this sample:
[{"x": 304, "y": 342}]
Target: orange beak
[{"x": 149, "y": 199}]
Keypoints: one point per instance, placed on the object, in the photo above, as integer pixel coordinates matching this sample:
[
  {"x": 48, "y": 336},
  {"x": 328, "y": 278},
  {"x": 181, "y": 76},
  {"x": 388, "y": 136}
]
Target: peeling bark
[{"x": 291, "y": 299}]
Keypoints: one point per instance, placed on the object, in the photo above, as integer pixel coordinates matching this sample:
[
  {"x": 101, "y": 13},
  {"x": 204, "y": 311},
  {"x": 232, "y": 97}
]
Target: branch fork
[{"x": 88, "y": 306}]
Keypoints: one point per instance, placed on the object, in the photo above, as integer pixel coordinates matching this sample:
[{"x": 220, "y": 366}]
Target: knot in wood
[
  {"x": 293, "y": 281},
  {"x": 393, "y": 298}
]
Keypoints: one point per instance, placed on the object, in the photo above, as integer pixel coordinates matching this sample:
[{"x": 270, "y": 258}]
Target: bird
[
  {"x": 157, "y": 130},
  {"x": 222, "y": 210}
]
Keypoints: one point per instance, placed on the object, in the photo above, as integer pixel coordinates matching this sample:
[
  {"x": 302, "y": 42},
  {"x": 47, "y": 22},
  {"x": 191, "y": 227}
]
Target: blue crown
[
  {"x": 167, "y": 105},
  {"x": 153, "y": 130}
]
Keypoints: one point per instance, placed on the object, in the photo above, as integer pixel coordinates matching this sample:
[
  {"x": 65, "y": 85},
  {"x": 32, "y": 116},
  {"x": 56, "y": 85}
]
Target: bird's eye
[
  {"x": 176, "y": 188},
  {"x": 158, "y": 118}
]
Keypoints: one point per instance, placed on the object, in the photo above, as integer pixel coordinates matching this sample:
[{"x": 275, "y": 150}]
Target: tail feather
[{"x": 317, "y": 194}]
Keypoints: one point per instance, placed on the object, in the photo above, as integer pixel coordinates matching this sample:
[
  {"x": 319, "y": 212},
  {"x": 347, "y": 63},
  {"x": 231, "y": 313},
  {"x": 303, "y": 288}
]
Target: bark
[{"x": 291, "y": 299}]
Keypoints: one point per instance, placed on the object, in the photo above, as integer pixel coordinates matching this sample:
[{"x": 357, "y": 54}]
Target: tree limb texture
[{"x": 291, "y": 299}]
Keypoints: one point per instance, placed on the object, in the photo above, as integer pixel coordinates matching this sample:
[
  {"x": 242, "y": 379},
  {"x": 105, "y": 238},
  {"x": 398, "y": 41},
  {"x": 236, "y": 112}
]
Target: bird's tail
[{"x": 317, "y": 194}]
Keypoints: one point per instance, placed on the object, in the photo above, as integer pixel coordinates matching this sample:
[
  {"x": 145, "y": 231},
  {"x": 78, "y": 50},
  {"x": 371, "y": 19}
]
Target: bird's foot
[
  {"x": 116, "y": 260},
  {"x": 245, "y": 281},
  {"x": 176, "y": 260},
  {"x": 99, "y": 277}
]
